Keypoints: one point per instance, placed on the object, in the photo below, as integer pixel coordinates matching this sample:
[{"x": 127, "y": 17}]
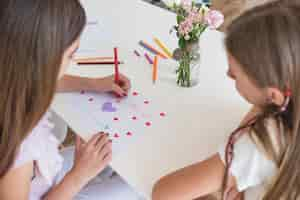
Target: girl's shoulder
[
  {"x": 41, "y": 146},
  {"x": 250, "y": 166}
]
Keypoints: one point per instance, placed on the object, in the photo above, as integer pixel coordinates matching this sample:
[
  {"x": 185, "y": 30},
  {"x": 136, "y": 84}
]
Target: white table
[{"x": 199, "y": 118}]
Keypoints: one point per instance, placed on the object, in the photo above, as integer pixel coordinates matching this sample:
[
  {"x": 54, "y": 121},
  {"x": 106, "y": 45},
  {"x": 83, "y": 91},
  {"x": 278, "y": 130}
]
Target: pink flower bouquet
[{"x": 192, "y": 21}]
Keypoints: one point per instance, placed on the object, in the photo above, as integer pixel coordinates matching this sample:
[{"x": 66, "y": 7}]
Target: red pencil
[{"x": 116, "y": 65}]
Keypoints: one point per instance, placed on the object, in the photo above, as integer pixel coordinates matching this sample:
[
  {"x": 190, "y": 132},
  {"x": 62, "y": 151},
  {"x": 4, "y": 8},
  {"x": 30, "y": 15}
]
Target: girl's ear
[{"x": 275, "y": 96}]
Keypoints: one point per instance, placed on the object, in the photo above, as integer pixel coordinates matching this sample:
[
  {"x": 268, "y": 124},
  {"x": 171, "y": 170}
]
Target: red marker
[{"x": 116, "y": 65}]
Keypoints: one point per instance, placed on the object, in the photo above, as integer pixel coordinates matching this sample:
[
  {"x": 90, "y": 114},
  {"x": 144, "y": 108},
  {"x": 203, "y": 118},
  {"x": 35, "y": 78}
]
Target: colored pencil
[
  {"x": 152, "y": 49},
  {"x": 91, "y": 59},
  {"x": 154, "y": 76},
  {"x": 100, "y": 63},
  {"x": 137, "y": 53},
  {"x": 163, "y": 47},
  {"x": 148, "y": 58},
  {"x": 116, "y": 65}
]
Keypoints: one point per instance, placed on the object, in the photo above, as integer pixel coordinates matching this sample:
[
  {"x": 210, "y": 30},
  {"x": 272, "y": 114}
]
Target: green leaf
[
  {"x": 180, "y": 19},
  {"x": 203, "y": 28},
  {"x": 182, "y": 43}
]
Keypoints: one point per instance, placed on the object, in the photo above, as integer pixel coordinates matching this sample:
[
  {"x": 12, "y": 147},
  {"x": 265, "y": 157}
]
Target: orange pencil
[
  {"x": 152, "y": 49},
  {"x": 154, "y": 76}
]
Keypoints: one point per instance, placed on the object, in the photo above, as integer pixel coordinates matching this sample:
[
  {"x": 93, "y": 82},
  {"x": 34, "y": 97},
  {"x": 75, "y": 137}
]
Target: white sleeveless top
[
  {"x": 41, "y": 146},
  {"x": 252, "y": 170}
]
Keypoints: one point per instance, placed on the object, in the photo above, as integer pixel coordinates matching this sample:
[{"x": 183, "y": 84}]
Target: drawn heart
[
  {"x": 162, "y": 114},
  {"x": 129, "y": 134},
  {"x": 108, "y": 107},
  {"x": 116, "y": 135}
]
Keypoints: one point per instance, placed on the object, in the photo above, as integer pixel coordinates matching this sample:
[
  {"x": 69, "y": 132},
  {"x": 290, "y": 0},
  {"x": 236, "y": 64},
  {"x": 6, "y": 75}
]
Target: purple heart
[{"x": 108, "y": 107}]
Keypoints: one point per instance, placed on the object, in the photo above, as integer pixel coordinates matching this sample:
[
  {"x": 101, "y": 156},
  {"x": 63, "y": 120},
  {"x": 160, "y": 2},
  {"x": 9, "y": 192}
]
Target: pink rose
[
  {"x": 214, "y": 19},
  {"x": 185, "y": 27},
  {"x": 195, "y": 15}
]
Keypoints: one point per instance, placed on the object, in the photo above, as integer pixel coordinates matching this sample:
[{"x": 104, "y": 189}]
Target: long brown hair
[
  {"x": 33, "y": 37},
  {"x": 266, "y": 43}
]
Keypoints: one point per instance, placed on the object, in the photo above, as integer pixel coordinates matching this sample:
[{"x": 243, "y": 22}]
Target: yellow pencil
[
  {"x": 163, "y": 47},
  {"x": 154, "y": 76}
]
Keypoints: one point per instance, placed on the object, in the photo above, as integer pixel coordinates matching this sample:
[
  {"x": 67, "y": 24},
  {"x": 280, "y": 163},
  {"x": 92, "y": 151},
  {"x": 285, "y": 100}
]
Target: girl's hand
[
  {"x": 91, "y": 157},
  {"x": 108, "y": 84}
]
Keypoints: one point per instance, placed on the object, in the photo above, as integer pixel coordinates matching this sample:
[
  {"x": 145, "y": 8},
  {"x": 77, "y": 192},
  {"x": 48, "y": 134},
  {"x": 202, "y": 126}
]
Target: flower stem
[{"x": 184, "y": 71}]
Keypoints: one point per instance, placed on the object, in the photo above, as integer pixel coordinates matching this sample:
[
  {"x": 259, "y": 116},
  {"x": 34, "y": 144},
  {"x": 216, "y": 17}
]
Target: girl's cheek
[
  {"x": 240, "y": 90},
  {"x": 64, "y": 67}
]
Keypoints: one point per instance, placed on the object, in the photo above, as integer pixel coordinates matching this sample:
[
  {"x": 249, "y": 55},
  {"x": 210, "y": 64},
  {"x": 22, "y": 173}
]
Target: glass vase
[{"x": 189, "y": 65}]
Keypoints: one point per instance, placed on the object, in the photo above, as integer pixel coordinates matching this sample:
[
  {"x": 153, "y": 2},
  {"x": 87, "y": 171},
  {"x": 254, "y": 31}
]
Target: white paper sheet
[{"x": 125, "y": 119}]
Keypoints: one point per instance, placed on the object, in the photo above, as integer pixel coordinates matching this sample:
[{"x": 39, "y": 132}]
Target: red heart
[
  {"x": 129, "y": 134},
  {"x": 148, "y": 123},
  {"x": 162, "y": 114},
  {"x": 135, "y": 93},
  {"x": 116, "y": 135}
]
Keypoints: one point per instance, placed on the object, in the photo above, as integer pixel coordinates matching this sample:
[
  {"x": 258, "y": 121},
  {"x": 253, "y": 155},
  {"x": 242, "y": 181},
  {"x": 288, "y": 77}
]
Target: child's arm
[
  {"x": 192, "y": 182},
  {"x": 15, "y": 185},
  {"x": 107, "y": 84},
  {"x": 67, "y": 188},
  {"x": 197, "y": 180},
  {"x": 90, "y": 159}
]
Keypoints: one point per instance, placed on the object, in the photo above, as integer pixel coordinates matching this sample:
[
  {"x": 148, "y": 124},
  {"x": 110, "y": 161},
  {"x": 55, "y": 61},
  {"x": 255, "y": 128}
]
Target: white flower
[
  {"x": 187, "y": 37},
  {"x": 170, "y": 3},
  {"x": 204, "y": 9}
]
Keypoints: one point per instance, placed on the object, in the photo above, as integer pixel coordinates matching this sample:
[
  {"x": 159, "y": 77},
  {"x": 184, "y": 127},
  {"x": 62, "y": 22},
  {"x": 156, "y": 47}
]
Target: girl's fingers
[
  {"x": 118, "y": 90},
  {"x": 101, "y": 143},
  {"x": 93, "y": 141},
  {"x": 105, "y": 151},
  {"x": 103, "y": 154},
  {"x": 126, "y": 82},
  {"x": 107, "y": 159}
]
